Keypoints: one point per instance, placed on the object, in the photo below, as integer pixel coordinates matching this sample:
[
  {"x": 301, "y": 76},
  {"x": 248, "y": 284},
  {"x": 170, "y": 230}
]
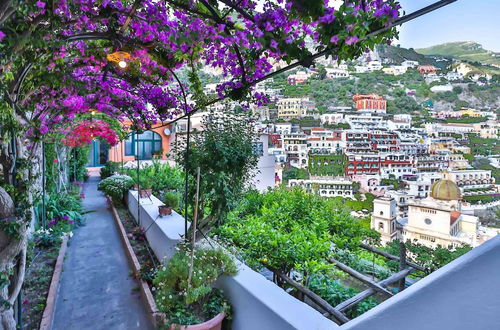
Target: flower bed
[
  {"x": 64, "y": 214},
  {"x": 41, "y": 262},
  {"x": 198, "y": 307},
  {"x": 140, "y": 245}
]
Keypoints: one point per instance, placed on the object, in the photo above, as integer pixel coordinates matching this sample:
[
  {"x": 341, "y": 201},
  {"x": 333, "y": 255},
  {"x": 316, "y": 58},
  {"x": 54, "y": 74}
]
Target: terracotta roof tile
[{"x": 454, "y": 215}]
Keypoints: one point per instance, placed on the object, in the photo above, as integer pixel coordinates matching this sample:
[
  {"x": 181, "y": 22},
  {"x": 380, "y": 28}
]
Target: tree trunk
[{"x": 12, "y": 254}]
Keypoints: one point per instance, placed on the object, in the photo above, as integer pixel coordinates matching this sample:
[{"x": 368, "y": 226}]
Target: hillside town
[{"x": 364, "y": 150}]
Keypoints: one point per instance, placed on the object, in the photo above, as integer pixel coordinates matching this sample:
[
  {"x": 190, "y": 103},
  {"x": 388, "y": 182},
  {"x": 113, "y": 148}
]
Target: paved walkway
[{"x": 96, "y": 290}]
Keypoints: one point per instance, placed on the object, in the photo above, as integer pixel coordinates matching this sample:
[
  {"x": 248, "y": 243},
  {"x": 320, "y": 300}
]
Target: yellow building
[
  {"x": 470, "y": 113},
  {"x": 292, "y": 108}
]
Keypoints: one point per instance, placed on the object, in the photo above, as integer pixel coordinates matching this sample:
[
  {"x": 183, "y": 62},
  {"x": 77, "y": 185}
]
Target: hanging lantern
[{"x": 119, "y": 57}]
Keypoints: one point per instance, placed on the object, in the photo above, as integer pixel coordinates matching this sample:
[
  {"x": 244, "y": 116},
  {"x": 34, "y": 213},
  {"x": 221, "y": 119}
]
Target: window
[
  {"x": 147, "y": 144},
  {"x": 428, "y": 221},
  {"x": 381, "y": 226},
  {"x": 258, "y": 149},
  {"x": 381, "y": 213}
]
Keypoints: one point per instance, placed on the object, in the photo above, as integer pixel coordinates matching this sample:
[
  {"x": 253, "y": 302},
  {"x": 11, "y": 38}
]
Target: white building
[
  {"x": 454, "y": 76},
  {"x": 420, "y": 187},
  {"x": 369, "y": 67},
  {"x": 438, "y": 220},
  {"x": 283, "y": 128},
  {"x": 410, "y": 64},
  {"x": 397, "y": 171},
  {"x": 403, "y": 117},
  {"x": 295, "y": 146},
  {"x": 394, "y": 125},
  {"x": 467, "y": 179},
  {"x": 364, "y": 121},
  {"x": 374, "y": 66},
  {"x": 279, "y": 154},
  {"x": 432, "y": 221},
  {"x": 441, "y": 88},
  {"x": 338, "y": 71},
  {"x": 430, "y": 78},
  {"x": 332, "y": 118},
  {"x": 264, "y": 174},
  {"x": 326, "y": 186}
]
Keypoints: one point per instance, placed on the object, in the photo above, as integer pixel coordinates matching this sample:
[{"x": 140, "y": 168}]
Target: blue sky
[{"x": 463, "y": 20}]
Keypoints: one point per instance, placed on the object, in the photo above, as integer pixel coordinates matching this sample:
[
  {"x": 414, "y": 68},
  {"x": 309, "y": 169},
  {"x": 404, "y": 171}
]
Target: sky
[{"x": 463, "y": 20}]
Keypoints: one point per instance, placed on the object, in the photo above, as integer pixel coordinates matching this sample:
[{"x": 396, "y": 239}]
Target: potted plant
[
  {"x": 145, "y": 187},
  {"x": 158, "y": 153},
  {"x": 184, "y": 289},
  {"x": 171, "y": 201}
]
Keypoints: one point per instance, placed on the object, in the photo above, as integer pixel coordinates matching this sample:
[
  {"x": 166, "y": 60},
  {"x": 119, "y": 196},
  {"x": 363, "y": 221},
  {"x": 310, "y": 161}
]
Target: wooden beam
[
  {"x": 349, "y": 303},
  {"x": 390, "y": 256},
  {"x": 340, "y": 318},
  {"x": 363, "y": 278}
]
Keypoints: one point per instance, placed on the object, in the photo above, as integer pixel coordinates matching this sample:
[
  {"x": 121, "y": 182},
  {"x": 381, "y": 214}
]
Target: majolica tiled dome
[{"x": 445, "y": 190}]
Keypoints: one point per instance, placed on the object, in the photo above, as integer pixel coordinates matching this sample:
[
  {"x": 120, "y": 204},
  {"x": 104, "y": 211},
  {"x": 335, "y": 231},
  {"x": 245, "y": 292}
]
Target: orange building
[
  {"x": 426, "y": 69},
  {"x": 154, "y": 142},
  {"x": 370, "y": 102}
]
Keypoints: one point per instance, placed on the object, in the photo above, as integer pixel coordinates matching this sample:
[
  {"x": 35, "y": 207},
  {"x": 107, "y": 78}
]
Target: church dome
[{"x": 445, "y": 190}]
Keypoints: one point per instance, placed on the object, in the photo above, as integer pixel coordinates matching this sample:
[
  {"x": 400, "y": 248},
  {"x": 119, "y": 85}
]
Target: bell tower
[{"x": 384, "y": 218}]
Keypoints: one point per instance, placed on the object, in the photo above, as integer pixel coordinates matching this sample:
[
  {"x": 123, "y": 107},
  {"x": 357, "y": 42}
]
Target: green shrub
[
  {"x": 116, "y": 186},
  {"x": 170, "y": 199},
  {"x": 290, "y": 230},
  {"x": 160, "y": 176},
  {"x": 196, "y": 301},
  {"x": 109, "y": 169},
  {"x": 63, "y": 212},
  {"x": 335, "y": 293}
]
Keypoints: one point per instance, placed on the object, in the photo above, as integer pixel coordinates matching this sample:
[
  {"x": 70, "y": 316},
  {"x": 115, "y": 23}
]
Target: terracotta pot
[
  {"x": 213, "y": 324},
  {"x": 164, "y": 210},
  {"x": 145, "y": 193}
]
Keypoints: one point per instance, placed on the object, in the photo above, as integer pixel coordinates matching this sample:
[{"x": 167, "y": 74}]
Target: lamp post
[{"x": 186, "y": 171}]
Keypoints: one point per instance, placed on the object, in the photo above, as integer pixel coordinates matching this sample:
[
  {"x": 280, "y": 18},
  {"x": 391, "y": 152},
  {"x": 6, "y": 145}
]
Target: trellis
[{"x": 338, "y": 313}]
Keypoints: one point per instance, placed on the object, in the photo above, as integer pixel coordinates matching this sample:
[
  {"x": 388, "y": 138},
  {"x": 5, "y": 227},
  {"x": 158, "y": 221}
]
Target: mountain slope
[
  {"x": 463, "y": 50},
  {"x": 397, "y": 55}
]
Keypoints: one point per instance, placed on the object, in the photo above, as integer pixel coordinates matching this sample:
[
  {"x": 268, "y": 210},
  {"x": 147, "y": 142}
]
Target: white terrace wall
[
  {"x": 163, "y": 234},
  {"x": 258, "y": 304}
]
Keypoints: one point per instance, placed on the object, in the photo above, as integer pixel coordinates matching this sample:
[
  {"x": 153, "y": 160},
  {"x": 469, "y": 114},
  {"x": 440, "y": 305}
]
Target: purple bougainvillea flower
[
  {"x": 2, "y": 35},
  {"x": 40, "y": 4},
  {"x": 335, "y": 39},
  {"x": 351, "y": 40}
]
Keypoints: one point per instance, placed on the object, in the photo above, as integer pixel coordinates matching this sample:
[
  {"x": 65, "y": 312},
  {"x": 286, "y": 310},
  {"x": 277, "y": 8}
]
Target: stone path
[{"x": 96, "y": 290}]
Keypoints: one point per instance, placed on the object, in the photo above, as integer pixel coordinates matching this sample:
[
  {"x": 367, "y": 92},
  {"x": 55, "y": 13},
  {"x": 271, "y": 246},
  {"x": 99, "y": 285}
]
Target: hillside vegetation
[
  {"x": 398, "y": 54},
  {"x": 463, "y": 50}
]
